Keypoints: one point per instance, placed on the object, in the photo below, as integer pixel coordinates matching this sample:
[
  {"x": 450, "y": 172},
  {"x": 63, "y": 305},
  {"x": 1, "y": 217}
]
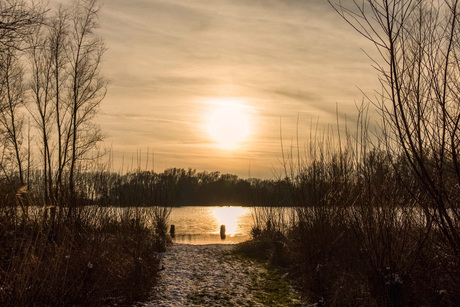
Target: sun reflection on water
[{"x": 229, "y": 216}]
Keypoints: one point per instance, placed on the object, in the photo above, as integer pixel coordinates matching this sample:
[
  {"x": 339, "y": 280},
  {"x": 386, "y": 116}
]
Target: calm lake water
[{"x": 201, "y": 225}]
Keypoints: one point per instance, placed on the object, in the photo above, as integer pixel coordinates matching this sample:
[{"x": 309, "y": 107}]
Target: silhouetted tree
[
  {"x": 87, "y": 87},
  {"x": 41, "y": 89},
  {"x": 12, "y": 117},
  {"x": 419, "y": 44},
  {"x": 17, "y": 19}
]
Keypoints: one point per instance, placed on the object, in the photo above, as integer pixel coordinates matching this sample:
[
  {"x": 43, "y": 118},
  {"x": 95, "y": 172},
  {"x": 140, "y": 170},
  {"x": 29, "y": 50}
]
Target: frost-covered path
[{"x": 210, "y": 275}]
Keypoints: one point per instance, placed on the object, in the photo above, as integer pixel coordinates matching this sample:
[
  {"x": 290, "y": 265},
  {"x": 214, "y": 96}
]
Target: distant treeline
[
  {"x": 181, "y": 187},
  {"x": 323, "y": 181},
  {"x": 316, "y": 184}
]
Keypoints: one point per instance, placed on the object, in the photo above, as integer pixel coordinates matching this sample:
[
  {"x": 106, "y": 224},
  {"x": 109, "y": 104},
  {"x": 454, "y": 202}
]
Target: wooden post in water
[
  {"x": 172, "y": 231},
  {"x": 222, "y": 232}
]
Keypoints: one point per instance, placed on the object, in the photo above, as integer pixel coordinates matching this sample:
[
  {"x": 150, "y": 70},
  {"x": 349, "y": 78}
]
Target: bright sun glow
[
  {"x": 229, "y": 216},
  {"x": 228, "y": 124}
]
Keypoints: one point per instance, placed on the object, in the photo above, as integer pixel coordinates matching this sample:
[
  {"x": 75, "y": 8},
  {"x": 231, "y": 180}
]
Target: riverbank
[{"x": 214, "y": 275}]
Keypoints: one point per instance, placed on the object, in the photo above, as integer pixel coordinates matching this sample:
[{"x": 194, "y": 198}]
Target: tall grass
[
  {"x": 357, "y": 235},
  {"x": 96, "y": 256}
]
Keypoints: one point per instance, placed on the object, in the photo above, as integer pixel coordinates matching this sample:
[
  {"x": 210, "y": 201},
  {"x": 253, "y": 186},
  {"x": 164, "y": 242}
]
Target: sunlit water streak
[{"x": 201, "y": 225}]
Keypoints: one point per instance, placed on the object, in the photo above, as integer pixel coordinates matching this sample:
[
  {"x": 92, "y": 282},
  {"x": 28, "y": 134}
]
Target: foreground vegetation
[
  {"x": 363, "y": 231},
  {"x": 378, "y": 216},
  {"x": 57, "y": 248},
  {"x": 96, "y": 257}
]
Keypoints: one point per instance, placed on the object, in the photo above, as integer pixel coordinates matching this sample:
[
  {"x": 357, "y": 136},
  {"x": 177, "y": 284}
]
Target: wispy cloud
[{"x": 166, "y": 56}]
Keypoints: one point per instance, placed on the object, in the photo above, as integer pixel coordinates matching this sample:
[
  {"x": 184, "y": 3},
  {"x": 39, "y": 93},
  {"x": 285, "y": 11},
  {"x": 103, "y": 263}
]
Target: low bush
[{"x": 339, "y": 261}]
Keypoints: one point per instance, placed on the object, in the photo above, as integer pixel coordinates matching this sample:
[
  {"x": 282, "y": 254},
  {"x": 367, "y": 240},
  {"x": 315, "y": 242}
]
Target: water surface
[{"x": 201, "y": 225}]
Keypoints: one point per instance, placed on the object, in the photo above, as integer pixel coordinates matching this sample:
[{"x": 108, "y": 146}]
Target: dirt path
[{"x": 211, "y": 275}]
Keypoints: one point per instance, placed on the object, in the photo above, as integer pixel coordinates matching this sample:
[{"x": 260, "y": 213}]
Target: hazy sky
[{"x": 170, "y": 62}]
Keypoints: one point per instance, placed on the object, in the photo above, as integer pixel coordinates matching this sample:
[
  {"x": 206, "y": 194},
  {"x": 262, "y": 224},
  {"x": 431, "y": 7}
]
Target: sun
[{"x": 228, "y": 123}]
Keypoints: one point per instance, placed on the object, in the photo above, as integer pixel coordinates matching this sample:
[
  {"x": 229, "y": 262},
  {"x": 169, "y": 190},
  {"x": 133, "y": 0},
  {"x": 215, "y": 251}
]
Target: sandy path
[{"x": 210, "y": 275}]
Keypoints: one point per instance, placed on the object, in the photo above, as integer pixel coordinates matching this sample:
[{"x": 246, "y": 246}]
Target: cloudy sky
[{"x": 171, "y": 63}]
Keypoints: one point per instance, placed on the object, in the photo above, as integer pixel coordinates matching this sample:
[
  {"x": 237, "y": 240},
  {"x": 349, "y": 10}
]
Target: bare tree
[
  {"x": 419, "y": 71},
  {"x": 12, "y": 94},
  {"x": 17, "y": 19},
  {"x": 41, "y": 89},
  {"x": 68, "y": 88},
  {"x": 87, "y": 87},
  {"x": 65, "y": 89},
  {"x": 59, "y": 63}
]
